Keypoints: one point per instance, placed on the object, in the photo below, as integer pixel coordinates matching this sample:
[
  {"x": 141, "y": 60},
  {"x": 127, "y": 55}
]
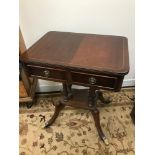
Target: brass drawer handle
[
  {"x": 46, "y": 73},
  {"x": 92, "y": 80}
]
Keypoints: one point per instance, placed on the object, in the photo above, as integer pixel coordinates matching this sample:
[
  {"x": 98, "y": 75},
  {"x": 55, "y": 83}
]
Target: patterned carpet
[{"x": 73, "y": 132}]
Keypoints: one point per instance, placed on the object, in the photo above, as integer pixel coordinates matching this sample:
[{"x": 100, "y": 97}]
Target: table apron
[{"x": 73, "y": 77}]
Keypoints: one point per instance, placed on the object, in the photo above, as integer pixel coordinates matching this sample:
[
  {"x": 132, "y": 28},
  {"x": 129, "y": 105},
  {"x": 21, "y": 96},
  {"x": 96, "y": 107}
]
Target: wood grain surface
[{"x": 88, "y": 51}]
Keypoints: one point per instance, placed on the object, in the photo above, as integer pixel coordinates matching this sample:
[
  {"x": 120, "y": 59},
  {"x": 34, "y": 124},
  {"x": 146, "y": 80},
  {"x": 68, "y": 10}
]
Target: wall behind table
[{"x": 112, "y": 17}]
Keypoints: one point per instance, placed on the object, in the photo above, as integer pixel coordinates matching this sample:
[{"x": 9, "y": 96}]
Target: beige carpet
[{"x": 73, "y": 132}]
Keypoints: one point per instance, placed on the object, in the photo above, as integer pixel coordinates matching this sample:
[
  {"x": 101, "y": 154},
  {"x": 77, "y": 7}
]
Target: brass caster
[
  {"x": 106, "y": 142},
  {"x": 46, "y": 125}
]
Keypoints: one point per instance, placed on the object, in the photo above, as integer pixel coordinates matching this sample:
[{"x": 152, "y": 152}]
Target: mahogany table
[{"x": 95, "y": 61}]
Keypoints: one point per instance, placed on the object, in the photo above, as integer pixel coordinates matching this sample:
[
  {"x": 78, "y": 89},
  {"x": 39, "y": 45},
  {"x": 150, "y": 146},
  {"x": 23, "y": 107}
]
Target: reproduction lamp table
[{"x": 94, "y": 61}]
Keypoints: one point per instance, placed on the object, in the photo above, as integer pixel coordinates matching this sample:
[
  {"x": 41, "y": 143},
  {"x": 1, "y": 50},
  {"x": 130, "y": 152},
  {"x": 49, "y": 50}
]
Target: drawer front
[
  {"x": 46, "y": 72},
  {"x": 96, "y": 80}
]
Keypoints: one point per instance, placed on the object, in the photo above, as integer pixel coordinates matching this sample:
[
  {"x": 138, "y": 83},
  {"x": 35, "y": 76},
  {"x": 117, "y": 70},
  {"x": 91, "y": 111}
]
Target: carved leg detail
[
  {"x": 65, "y": 91},
  {"x": 95, "y": 114},
  {"x": 70, "y": 95},
  {"x": 91, "y": 97},
  {"x": 58, "y": 107}
]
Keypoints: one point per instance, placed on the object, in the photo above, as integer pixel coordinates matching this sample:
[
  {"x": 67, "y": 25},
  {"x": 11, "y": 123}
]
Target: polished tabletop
[{"x": 89, "y": 51}]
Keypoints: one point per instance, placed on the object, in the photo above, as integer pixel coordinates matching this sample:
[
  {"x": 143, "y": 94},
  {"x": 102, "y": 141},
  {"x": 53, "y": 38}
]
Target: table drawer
[
  {"x": 46, "y": 72},
  {"x": 92, "y": 79}
]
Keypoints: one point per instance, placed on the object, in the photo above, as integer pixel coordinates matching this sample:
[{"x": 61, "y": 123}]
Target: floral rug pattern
[{"x": 74, "y": 132}]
